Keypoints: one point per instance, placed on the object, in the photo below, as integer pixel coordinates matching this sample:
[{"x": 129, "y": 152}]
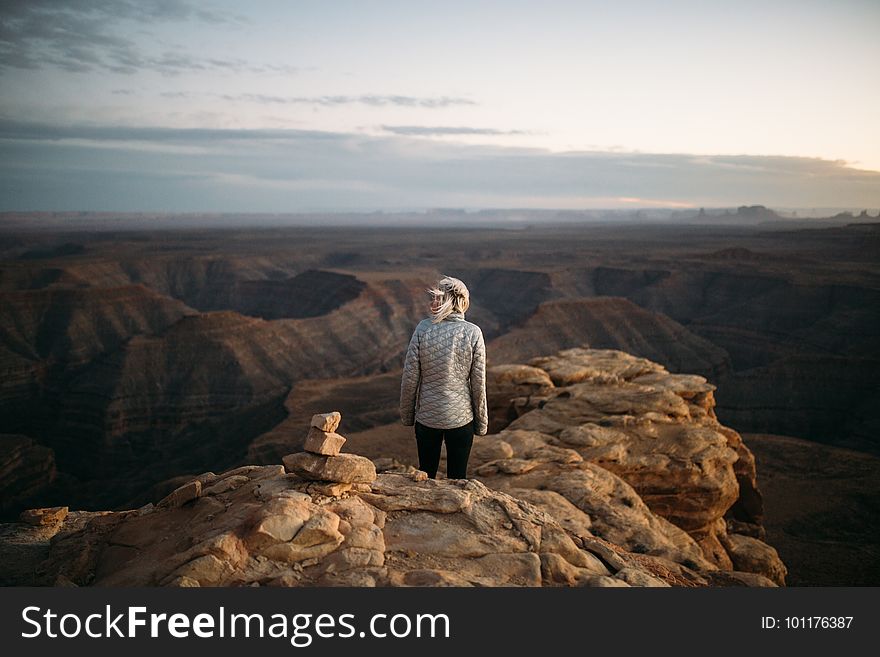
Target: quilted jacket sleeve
[
  {"x": 409, "y": 382},
  {"x": 478, "y": 387}
]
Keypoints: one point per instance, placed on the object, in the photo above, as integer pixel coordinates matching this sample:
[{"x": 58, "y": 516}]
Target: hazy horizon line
[{"x": 451, "y": 210}]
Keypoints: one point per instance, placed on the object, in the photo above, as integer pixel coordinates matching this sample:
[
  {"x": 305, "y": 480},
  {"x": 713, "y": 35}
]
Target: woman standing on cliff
[{"x": 443, "y": 388}]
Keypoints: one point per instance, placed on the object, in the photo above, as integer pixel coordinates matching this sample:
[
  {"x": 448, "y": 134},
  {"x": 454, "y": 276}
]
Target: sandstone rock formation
[
  {"x": 633, "y": 453},
  {"x": 329, "y": 519},
  {"x": 509, "y": 389},
  {"x": 262, "y": 526},
  {"x": 341, "y": 524}
]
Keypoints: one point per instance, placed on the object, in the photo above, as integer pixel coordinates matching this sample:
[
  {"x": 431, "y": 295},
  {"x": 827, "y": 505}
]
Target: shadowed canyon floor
[
  {"x": 132, "y": 360},
  {"x": 822, "y": 510}
]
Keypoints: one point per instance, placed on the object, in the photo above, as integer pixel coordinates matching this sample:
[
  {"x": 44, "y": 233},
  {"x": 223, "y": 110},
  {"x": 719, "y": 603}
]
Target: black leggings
[{"x": 458, "y": 449}]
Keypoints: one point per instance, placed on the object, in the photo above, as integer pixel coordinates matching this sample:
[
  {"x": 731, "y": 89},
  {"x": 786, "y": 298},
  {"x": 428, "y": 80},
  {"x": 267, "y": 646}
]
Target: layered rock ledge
[
  {"x": 265, "y": 526},
  {"x": 610, "y": 471},
  {"x": 622, "y": 448}
]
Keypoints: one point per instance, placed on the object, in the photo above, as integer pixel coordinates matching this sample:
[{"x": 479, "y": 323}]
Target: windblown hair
[{"x": 453, "y": 296}]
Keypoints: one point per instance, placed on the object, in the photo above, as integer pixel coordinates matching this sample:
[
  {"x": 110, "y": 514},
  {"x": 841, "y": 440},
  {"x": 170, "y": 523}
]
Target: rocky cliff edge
[{"x": 608, "y": 471}]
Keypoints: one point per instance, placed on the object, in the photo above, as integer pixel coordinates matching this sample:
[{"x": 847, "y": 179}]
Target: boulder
[
  {"x": 326, "y": 443},
  {"x": 345, "y": 468},
  {"x": 183, "y": 494},
  {"x": 328, "y": 422}
]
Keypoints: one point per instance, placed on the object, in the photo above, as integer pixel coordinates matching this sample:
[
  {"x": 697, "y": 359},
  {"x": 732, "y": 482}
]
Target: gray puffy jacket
[{"x": 444, "y": 376}]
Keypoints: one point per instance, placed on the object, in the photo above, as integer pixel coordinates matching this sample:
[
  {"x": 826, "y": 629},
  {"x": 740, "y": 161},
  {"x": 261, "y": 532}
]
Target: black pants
[{"x": 458, "y": 449}]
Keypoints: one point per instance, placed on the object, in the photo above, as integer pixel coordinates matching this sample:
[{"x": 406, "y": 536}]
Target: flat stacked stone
[
  {"x": 322, "y": 438},
  {"x": 326, "y": 421},
  {"x": 321, "y": 460},
  {"x": 323, "y": 442},
  {"x": 345, "y": 468}
]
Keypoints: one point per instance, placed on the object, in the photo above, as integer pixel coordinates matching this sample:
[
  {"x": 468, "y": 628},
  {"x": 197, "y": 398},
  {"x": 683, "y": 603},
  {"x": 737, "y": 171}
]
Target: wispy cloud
[
  {"x": 375, "y": 100},
  {"x": 430, "y": 131},
  {"x": 274, "y": 170},
  {"x": 85, "y": 36},
  {"x": 45, "y": 132}
]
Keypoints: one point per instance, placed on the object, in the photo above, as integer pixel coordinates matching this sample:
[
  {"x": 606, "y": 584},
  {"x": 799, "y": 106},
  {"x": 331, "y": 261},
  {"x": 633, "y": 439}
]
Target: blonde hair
[{"x": 453, "y": 296}]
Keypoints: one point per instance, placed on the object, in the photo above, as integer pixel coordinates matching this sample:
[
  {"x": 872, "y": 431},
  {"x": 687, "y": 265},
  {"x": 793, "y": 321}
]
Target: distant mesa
[
  {"x": 756, "y": 212},
  {"x": 753, "y": 210},
  {"x": 744, "y": 215}
]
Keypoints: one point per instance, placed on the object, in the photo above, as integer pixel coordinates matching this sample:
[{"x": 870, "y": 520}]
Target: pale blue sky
[{"x": 283, "y": 106}]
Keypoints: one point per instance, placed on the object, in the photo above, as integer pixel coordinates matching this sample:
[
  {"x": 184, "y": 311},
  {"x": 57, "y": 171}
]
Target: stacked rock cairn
[{"x": 329, "y": 472}]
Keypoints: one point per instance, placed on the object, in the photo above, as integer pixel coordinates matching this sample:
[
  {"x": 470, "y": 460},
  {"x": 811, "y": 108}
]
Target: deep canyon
[{"x": 132, "y": 358}]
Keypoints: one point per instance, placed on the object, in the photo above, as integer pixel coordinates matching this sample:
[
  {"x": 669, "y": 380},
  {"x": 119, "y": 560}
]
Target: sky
[{"x": 286, "y": 106}]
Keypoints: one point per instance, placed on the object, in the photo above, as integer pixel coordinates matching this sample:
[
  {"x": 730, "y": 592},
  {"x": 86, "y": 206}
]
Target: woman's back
[
  {"x": 444, "y": 375},
  {"x": 443, "y": 387}
]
